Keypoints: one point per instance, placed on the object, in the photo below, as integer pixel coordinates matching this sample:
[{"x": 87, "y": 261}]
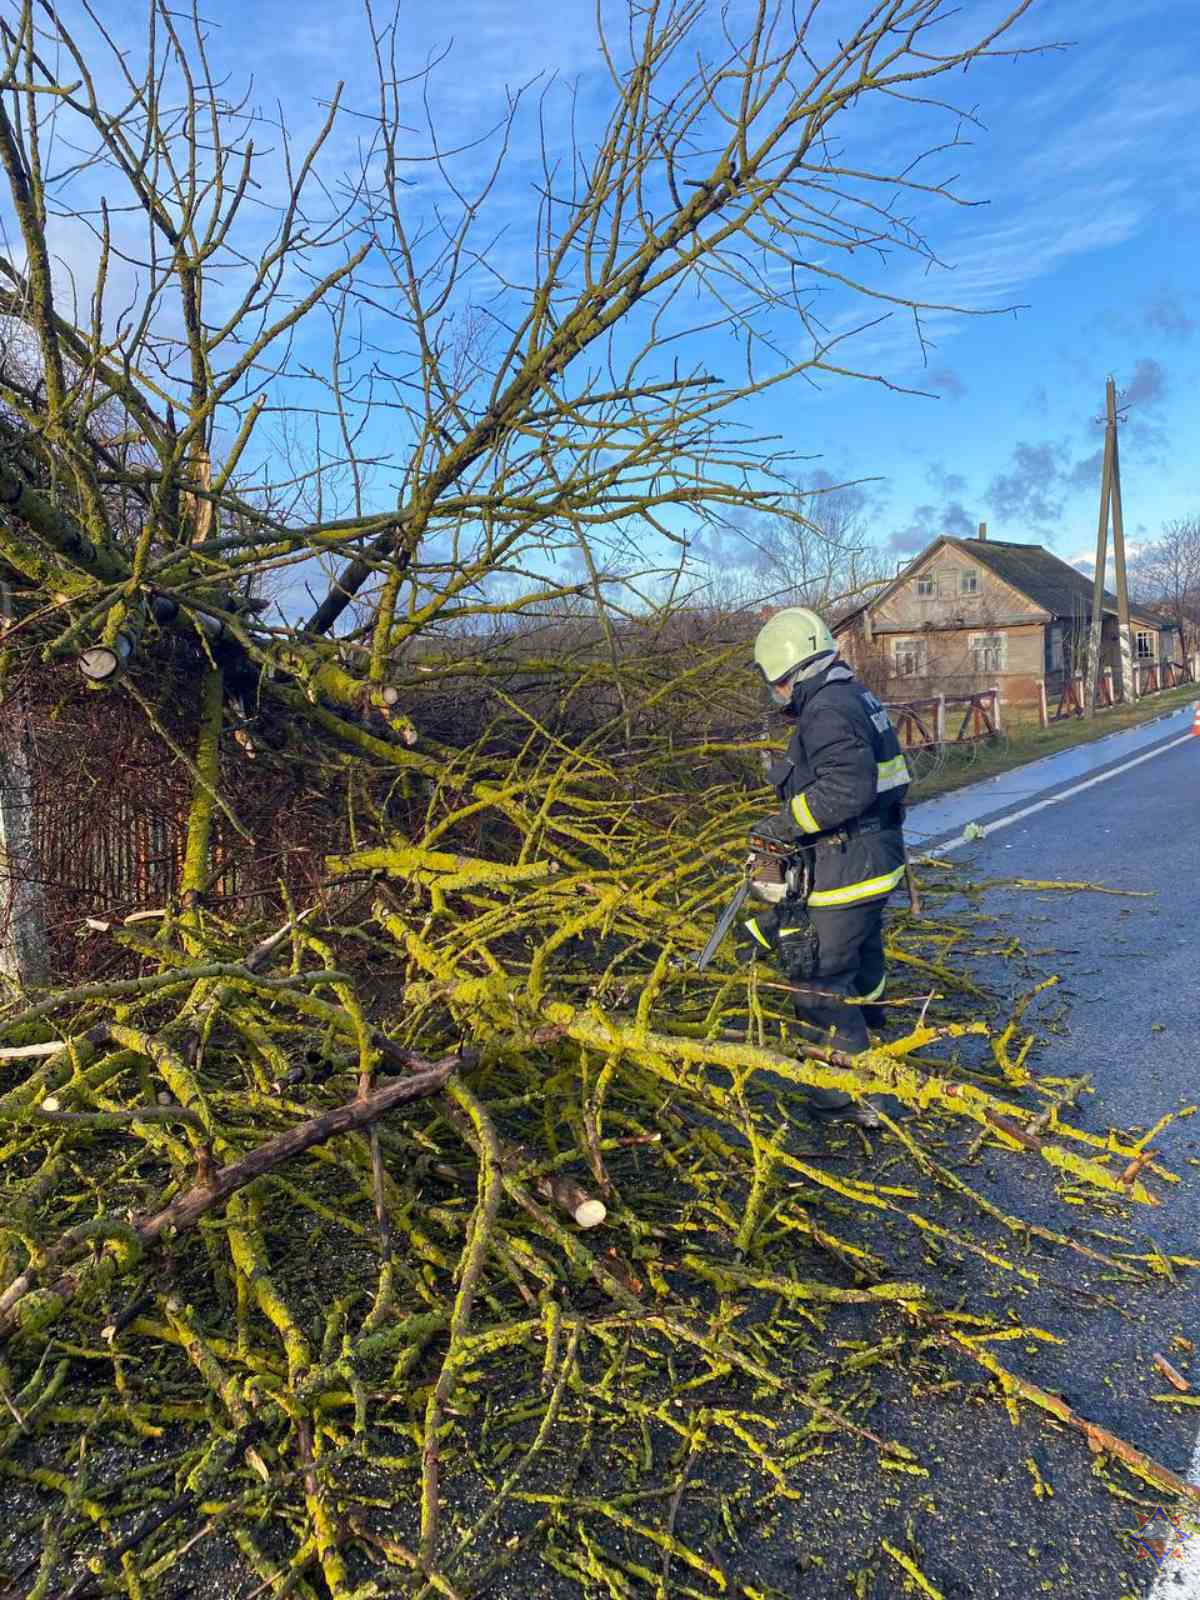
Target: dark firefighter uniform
[{"x": 842, "y": 785}]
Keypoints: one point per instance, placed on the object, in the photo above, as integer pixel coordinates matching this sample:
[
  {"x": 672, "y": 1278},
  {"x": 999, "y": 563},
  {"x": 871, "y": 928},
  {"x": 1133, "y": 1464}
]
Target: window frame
[
  {"x": 968, "y": 580},
  {"x": 1148, "y": 654},
  {"x": 978, "y": 643},
  {"x": 1058, "y": 647},
  {"x": 930, "y": 592},
  {"x": 910, "y": 646}
]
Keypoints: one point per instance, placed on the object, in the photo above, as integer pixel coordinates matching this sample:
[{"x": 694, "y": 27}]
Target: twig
[
  {"x": 673, "y": 1506},
  {"x": 186, "y": 1209},
  {"x": 474, "y": 1254}
]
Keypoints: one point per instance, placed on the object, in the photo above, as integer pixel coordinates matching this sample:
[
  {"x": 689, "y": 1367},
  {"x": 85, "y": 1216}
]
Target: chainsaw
[{"x": 774, "y": 868}]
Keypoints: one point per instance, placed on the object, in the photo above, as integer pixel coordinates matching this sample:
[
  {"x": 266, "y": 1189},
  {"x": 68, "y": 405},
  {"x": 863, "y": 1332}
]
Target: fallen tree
[
  {"x": 514, "y": 1305},
  {"x": 601, "y": 1068}
]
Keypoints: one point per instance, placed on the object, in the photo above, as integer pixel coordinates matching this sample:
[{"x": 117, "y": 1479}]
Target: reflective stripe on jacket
[{"x": 843, "y": 782}]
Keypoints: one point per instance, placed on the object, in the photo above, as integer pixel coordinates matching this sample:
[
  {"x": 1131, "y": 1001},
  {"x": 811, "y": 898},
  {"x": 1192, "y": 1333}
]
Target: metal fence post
[
  {"x": 939, "y": 722},
  {"x": 995, "y": 693}
]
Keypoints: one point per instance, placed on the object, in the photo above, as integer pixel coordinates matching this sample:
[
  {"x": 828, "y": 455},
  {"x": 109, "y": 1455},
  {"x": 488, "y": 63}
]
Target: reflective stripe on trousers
[{"x": 849, "y": 894}]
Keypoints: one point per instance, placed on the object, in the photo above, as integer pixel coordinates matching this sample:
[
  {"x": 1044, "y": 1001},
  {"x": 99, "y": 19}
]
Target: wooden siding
[
  {"x": 992, "y": 603},
  {"x": 940, "y": 634}
]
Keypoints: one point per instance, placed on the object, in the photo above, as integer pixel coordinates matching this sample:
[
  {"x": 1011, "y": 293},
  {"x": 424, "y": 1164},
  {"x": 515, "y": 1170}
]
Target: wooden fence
[
  {"x": 946, "y": 719},
  {"x": 943, "y": 727},
  {"x": 1150, "y": 677}
]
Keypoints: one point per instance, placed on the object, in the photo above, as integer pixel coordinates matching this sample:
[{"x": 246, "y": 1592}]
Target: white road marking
[
  {"x": 987, "y": 829},
  {"x": 1179, "y": 1576}
]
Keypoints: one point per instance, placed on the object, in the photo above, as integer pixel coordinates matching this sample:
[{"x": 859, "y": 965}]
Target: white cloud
[{"x": 1085, "y": 560}]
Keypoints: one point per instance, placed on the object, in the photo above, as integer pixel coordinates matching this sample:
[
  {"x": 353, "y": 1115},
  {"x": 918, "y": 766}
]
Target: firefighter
[{"x": 841, "y": 786}]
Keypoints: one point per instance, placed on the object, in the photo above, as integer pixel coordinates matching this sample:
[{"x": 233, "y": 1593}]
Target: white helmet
[{"x": 795, "y": 639}]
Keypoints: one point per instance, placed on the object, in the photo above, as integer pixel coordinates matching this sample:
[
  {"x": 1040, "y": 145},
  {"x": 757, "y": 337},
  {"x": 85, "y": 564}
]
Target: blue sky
[{"x": 1087, "y": 162}]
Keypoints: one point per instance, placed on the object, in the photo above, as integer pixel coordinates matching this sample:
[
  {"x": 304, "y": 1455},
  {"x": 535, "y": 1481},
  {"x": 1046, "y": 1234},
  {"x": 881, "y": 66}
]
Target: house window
[
  {"x": 927, "y": 586},
  {"x": 987, "y": 653},
  {"x": 908, "y": 658},
  {"x": 968, "y": 581},
  {"x": 1143, "y": 644},
  {"x": 1054, "y": 648}
]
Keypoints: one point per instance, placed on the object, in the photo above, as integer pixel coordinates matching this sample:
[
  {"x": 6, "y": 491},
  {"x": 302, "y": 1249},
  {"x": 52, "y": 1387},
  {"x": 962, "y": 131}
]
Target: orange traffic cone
[{"x": 1196, "y": 719}]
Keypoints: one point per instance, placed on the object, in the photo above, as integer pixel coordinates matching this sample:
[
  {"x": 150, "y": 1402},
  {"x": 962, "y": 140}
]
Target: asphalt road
[
  {"x": 1130, "y": 970},
  {"x": 1004, "y": 1510},
  {"x": 1131, "y": 967}
]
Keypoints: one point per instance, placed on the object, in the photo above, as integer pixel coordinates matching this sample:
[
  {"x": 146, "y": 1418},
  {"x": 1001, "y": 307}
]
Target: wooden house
[{"x": 967, "y": 614}]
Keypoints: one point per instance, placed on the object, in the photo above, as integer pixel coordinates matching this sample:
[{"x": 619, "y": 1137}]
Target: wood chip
[{"x": 1173, "y": 1376}]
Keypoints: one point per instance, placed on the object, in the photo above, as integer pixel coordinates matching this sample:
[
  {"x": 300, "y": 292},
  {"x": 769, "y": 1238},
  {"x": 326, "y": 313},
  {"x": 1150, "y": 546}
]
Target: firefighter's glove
[
  {"x": 799, "y": 955},
  {"x": 756, "y": 936},
  {"x": 778, "y": 829}
]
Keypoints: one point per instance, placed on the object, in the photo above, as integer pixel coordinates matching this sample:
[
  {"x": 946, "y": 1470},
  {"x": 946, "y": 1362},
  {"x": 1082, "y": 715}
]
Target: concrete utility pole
[
  {"x": 1096, "y": 633},
  {"x": 1110, "y": 498},
  {"x": 1129, "y": 688}
]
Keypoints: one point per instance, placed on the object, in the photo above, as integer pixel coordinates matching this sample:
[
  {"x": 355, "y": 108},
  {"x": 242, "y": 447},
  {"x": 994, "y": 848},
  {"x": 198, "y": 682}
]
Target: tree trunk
[{"x": 24, "y": 954}]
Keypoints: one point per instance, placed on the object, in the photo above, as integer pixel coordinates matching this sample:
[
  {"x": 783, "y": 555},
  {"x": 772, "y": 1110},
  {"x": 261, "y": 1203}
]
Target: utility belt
[
  {"x": 870, "y": 822},
  {"x": 797, "y": 874},
  {"x": 781, "y": 870},
  {"x": 837, "y": 837}
]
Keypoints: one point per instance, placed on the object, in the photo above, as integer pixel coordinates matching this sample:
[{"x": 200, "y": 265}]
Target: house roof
[
  {"x": 1050, "y": 583},
  {"x": 1042, "y": 577}
]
